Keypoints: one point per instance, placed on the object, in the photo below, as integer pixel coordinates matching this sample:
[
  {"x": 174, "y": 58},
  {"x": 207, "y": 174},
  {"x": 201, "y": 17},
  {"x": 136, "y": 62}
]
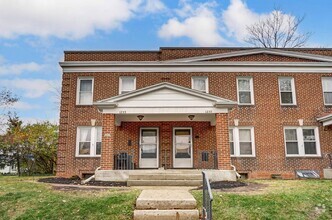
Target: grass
[
  {"x": 282, "y": 199},
  {"x": 23, "y": 198}
]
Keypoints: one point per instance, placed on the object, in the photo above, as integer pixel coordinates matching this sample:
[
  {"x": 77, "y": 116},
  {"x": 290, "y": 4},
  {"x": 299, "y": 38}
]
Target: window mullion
[
  {"x": 92, "y": 141},
  {"x": 300, "y": 141},
  {"x": 236, "y": 140}
]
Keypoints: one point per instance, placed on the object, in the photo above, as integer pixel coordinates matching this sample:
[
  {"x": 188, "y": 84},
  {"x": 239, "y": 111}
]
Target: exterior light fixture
[
  {"x": 191, "y": 117},
  {"x": 140, "y": 117}
]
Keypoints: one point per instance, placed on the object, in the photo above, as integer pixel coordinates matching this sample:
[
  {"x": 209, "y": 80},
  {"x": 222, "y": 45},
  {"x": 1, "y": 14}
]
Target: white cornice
[
  {"x": 277, "y": 52},
  {"x": 155, "y": 66}
]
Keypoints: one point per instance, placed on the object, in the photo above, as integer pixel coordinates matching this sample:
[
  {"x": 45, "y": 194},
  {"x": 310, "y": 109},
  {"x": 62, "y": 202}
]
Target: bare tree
[
  {"x": 277, "y": 30},
  {"x": 7, "y": 98}
]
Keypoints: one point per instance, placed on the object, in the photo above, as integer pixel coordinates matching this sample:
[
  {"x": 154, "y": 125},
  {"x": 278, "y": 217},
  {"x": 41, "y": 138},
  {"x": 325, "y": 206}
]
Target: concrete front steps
[
  {"x": 180, "y": 178},
  {"x": 166, "y": 205}
]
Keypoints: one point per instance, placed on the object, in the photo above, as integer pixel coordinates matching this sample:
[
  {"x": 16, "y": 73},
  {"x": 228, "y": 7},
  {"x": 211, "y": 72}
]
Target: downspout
[
  {"x": 236, "y": 173},
  {"x": 90, "y": 178}
]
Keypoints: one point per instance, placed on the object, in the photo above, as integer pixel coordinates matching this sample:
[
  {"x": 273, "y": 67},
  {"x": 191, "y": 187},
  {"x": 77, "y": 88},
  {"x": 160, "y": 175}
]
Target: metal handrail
[{"x": 207, "y": 198}]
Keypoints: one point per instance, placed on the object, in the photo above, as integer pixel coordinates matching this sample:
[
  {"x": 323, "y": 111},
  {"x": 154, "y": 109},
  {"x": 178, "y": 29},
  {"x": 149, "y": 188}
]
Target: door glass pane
[
  {"x": 149, "y": 143},
  {"x": 182, "y": 143}
]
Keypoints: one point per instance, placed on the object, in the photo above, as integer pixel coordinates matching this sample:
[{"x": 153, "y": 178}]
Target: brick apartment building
[{"x": 264, "y": 111}]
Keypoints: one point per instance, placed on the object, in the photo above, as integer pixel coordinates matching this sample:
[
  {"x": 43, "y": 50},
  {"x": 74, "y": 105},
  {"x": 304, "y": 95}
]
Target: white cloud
[
  {"x": 153, "y": 6},
  {"x": 237, "y": 17},
  {"x": 200, "y": 24},
  {"x": 70, "y": 19},
  {"x": 16, "y": 69},
  {"x": 31, "y": 88},
  {"x": 25, "y": 105}
]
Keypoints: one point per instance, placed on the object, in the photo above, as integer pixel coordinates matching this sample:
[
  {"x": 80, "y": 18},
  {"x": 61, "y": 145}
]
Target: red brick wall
[
  {"x": 174, "y": 53},
  {"x": 267, "y": 117}
]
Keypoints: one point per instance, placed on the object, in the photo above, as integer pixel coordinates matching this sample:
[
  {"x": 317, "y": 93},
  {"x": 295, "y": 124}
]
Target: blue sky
[{"x": 34, "y": 34}]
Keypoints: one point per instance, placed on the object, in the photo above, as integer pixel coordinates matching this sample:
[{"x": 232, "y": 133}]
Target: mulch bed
[{"x": 77, "y": 181}]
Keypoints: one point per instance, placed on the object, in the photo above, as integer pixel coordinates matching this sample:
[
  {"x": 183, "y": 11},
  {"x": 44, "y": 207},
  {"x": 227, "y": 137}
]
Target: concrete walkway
[{"x": 168, "y": 204}]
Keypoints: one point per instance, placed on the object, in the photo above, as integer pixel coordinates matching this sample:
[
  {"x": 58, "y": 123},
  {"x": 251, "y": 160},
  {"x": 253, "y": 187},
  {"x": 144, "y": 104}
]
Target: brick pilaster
[
  {"x": 107, "y": 150},
  {"x": 223, "y": 150}
]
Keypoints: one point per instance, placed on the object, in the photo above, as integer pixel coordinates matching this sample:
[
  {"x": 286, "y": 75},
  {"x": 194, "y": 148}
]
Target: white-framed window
[
  {"x": 245, "y": 90},
  {"x": 327, "y": 90},
  {"x": 127, "y": 84},
  {"x": 242, "y": 141},
  {"x": 301, "y": 141},
  {"x": 84, "y": 91},
  {"x": 88, "y": 141},
  {"x": 287, "y": 91},
  {"x": 200, "y": 83}
]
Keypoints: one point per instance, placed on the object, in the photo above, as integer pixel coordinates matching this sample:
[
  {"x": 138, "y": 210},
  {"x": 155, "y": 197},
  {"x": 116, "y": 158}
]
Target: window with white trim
[
  {"x": 327, "y": 90},
  {"x": 242, "y": 141},
  {"x": 301, "y": 141},
  {"x": 88, "y": 141},
  {"x": 287, "y": 91},
  {"x": 84, "y": 91},
  {"x": 245, "y": 91},
  {"x": 200, "y": 83},
  {"x": 127, "y": 84}
]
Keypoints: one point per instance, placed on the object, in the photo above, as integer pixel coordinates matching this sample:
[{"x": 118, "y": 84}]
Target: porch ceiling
[{"x": 164, "y": 117}]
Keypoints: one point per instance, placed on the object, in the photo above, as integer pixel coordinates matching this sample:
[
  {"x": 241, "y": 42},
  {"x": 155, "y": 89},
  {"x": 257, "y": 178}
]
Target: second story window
[
  {"x": 84, "y": 91},
  {"x": 327, "y": 90},
  {"x": 200, "y": 83},
  {"x": 287, "y": 91},
  {"x": 127, "y": 84},
  {"x": 245, "y": 92}
]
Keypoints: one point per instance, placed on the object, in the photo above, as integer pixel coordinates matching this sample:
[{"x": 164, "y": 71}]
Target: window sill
[
  {"x": 245, "y": 105},
  {"x": 87, "y": 156},
  {"x": 303, "y": 156},
  {"x": 288, "y": 106}
]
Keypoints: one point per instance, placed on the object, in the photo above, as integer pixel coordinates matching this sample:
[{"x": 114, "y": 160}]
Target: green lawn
[
  {"x": 282, "y": 199},
  {"x": 23, "y": 198}
]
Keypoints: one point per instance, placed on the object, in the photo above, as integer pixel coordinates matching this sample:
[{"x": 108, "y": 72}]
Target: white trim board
[
  {"x": 277, "y": 52},
  {"x": 155, "y": 66}
]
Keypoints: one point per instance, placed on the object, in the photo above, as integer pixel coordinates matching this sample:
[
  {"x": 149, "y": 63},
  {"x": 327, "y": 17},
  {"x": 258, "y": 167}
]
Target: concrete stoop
[
  {"x": 166, "y": 205},
  {"x": 165, "y": 179}
]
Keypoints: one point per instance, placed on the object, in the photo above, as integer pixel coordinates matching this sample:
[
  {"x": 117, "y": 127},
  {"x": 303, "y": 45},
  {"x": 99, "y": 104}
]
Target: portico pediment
[{"x": 164, "y": 98}]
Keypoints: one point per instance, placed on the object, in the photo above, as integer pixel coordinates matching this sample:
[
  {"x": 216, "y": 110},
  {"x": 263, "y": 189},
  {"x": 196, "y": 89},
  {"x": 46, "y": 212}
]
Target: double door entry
[{"x": 181, "y": 144}]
